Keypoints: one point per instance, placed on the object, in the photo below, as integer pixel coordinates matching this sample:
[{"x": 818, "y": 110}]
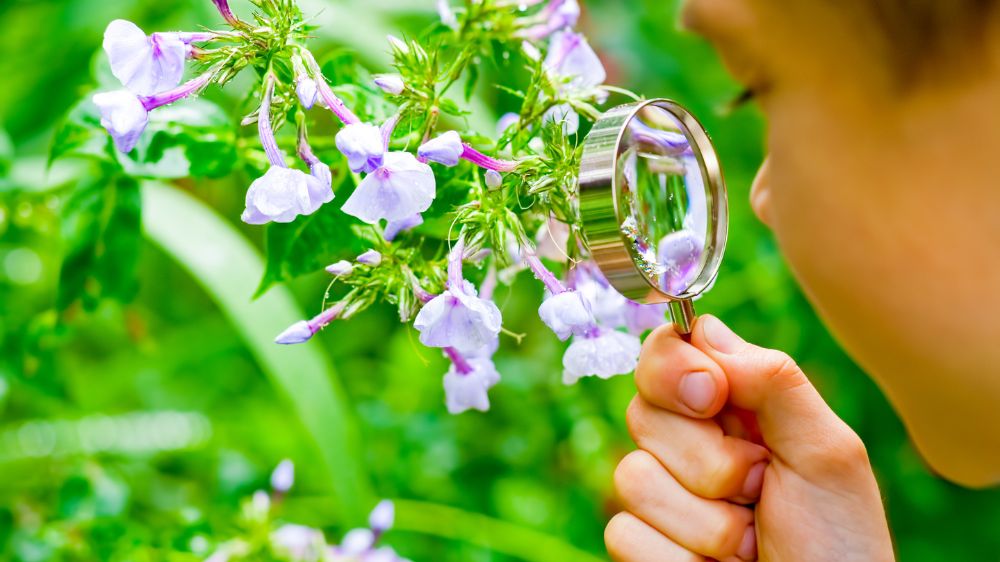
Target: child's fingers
[
  {"x": 795, "y": 422},
  {"x": 629, "y": 539},
  {"x": 697, "y": 453},
  {"x": 676, "y": 376},
  {"x": 713, "y": 528}
]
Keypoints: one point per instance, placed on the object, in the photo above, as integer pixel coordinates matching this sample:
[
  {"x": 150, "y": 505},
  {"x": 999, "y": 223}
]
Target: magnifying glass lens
[{"x": 662, "y": 200}]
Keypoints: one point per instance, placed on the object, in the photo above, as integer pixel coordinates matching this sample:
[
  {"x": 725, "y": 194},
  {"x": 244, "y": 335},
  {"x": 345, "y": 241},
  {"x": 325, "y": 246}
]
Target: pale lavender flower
[
  {"x": 390, "y": 83},
  {"x": 458, "y": 318},
  {"x": 468, "y": 381},
  {"x": 642, "y": 317},
  {"x": 679, "y": 254},
  {"x": 401, "y": 188},
  {"x": 573, "y": 63},
  {"x": 564, "y": 115},
  {"x": 446, "y": 149},
  {"x": 371, "y": 257},
  {"x": 341, "y": 268},
  {"x": 446, "y": 14},
  {"x": 382, "y": 517},
  {"x": 283, "y": 193},
  {"x": 357, "y": 541},
  {"x": 566, "y": 314},
  {"x": 363, "y": 145},
  {"x": 558, "y": 14},
  {"x": 145, "y": 65},
  {"x": 507, "y": 121},
  {"x": 302, "y": 331},
  {"x": 393, "y": 228},
  {"x": 125, "y": 114},
  {"x": 603, "y": 354},
  {"x": 494, "y": 180},
  {"x": 283, "y": 476},
  {"x": 299, "y": 542},
  {"x": 306, "y": 90},
  {"x": 607, "y": 304}
]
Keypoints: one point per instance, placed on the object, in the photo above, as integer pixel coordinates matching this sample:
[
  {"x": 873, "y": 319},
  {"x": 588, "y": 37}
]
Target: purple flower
[
  {"x": 390, "y": 83},
  {"x": 401, "y": 188},
  {"x": 445, "y": 149},
  {"x": 566, "y": 314},
  {"x": 564, "y": 115},
  {"x": 607, "y": 304},
  {"x": 458, "y": 318},
  {"x": 467, "y": 383},
  {"x": 283, "y": 476},
  {"x": 558, "y": 14},
  {"x": 303, "y": 331},
  {"x": 604, "y": 354},
  {"x": 393, "y": 228},
  {"x": 125, "y": 114},
  {"x": 642, "y": 317},
  {"x": 341, "y": 268},
  {"x": 283, "y": 193},
  {"x": 494, "y": 180},
  {"x": 363, "y": 145},
  {"x": 573, "y": 62},
  {"x": 298, "y": 541},
  {"x": 381, "y": 518},
  {"x": 306, "y": 90},
  {"x": 507, "y": 121},
  {"x": 144, "y": 65},
  {"x": 679, "y": 254},
  {"x": 446, "y": 14},
  {"x": 371, "y": 257}
]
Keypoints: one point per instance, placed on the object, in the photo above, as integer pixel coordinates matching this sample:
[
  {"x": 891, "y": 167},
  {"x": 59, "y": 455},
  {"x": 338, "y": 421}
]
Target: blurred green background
[{"x": 133, "y": 433}]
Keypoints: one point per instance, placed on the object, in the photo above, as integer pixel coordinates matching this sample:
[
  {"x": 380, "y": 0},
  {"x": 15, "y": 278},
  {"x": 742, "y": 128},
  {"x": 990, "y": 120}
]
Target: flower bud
[
  {"x": 371, "y": 257},
  {"x": 494, "y": 180},
  {"x": 341, "y": 268},
  {"x": 390, "y": 83}
]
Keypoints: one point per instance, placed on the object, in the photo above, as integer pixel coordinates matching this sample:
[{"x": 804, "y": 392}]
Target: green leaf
[
  {"x": 6, "y": 153},
  {"x": 81, "y": 134},
  {"x": 102, "y": 232}
]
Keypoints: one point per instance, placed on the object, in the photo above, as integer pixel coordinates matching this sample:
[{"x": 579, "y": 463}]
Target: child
[{"x": 880, "y": 187}]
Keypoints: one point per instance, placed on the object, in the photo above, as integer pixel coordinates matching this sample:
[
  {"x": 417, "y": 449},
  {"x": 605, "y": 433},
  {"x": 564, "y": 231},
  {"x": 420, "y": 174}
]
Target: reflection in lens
[{"x": 662, "y": 200}]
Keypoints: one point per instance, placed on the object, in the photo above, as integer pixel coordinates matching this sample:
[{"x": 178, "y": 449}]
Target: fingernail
[
  {"x": 698, "y": 391},
  {"x": 748, "y": 546},
  {"x": 754, "y": 482},
  {"x": 719, "y": 336}
]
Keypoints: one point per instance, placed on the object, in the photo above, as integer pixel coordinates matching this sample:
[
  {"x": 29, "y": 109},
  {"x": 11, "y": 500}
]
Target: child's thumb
[{"x": 795, "y": 422}]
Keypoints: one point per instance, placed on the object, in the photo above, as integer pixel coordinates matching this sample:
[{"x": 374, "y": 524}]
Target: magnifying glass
[{"x": 654, "y": 207}]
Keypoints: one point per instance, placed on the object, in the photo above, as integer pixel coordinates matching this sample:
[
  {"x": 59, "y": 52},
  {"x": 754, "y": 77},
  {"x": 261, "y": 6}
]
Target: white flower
[
  {"x": 470, "y": 390},
  {"x": 306, "y": 90},
  {"x": 571, "y": 59},
  {"x": 124, "y": 116},
  {"x": 282, "y": 194},
  {"x": 298, "y": 541},
  {"x": 459, "y": 319},
  {"x": 401, "y": 188},
  {"x": 381, "y": 518},
  {"x": 341, "y": 268},
  {"x": 446, "y": 149},
  {"x": 283, "y": 476},
  {"x": 363, "y": 145},
  {"x": 567, "y": 314},
  {"x": 608, "y": 354},
  {"x": 144, "y": 65}
]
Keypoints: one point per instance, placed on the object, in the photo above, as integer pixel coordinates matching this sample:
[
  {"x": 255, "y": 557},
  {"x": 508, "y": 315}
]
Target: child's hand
[{"x": 703, "y": 485}]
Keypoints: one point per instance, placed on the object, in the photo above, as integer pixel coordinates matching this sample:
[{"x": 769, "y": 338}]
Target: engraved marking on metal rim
[{"x": 602, "y": 218}]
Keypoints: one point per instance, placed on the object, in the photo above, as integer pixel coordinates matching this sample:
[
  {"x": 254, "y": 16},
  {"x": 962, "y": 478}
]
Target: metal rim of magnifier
[{"x": 599, "y": 203}]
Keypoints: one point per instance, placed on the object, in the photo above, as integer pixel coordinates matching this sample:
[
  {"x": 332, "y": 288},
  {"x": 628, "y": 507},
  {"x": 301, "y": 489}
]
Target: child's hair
[{"x": 918, "y": 34}]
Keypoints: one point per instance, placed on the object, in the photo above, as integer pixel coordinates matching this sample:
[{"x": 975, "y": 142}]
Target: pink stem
[
  {"x": 484, "y": 161},
  {"x": 461, "y": 365},
  {"x": 178, "y": 93},
  {"x": 541, "y": 273}
]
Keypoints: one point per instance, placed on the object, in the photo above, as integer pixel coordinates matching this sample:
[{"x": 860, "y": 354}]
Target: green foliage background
[{"x": 540, "y": 461}]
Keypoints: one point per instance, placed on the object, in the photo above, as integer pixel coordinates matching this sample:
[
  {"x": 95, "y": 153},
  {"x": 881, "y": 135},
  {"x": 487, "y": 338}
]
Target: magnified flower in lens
[
  {"x": 145, "y": 65},
  {"x": 401, "y": 188},
  {"x": 680, "y": 255},
  {"x": 603, "y": 354},
  {"x": 573, "y": 63}
]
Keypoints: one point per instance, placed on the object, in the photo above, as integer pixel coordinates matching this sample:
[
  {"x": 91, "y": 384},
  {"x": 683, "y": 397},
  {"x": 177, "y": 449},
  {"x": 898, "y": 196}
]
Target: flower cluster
[
  {"x": 299, "y": 543},
  {"x": 394, "y": 163}
]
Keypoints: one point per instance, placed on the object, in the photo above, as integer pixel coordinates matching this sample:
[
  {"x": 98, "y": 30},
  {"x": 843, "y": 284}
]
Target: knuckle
[
  {"x": 636, "y": 419},
  {"x": 722, "y": 540},
  {"x": 719, "y": 475},
  {"x": 841, "y": 452},
  {"x": 633, "y": 475},
  {"x": 782, "y": 370}
]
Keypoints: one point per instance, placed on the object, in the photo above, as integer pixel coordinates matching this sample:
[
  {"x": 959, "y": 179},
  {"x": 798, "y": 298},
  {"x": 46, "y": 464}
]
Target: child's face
[{"x": 886, "y": 207}]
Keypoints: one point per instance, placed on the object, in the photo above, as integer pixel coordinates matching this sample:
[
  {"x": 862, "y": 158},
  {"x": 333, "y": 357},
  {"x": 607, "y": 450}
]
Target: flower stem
[
  {"x": 541, "y": 272},
  {"x": 484, "y": 161},
  {"x": 461, "y": 365},
  {"x": 455, "y": 265},
  {"x": 178, "y": 93},
  {"x": 264, "y": 130},
  {"x": 331, "y": 100}
]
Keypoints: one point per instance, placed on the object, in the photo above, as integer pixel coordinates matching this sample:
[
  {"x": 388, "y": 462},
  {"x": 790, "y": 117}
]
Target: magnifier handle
[{"x": 682, "y": 312}]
